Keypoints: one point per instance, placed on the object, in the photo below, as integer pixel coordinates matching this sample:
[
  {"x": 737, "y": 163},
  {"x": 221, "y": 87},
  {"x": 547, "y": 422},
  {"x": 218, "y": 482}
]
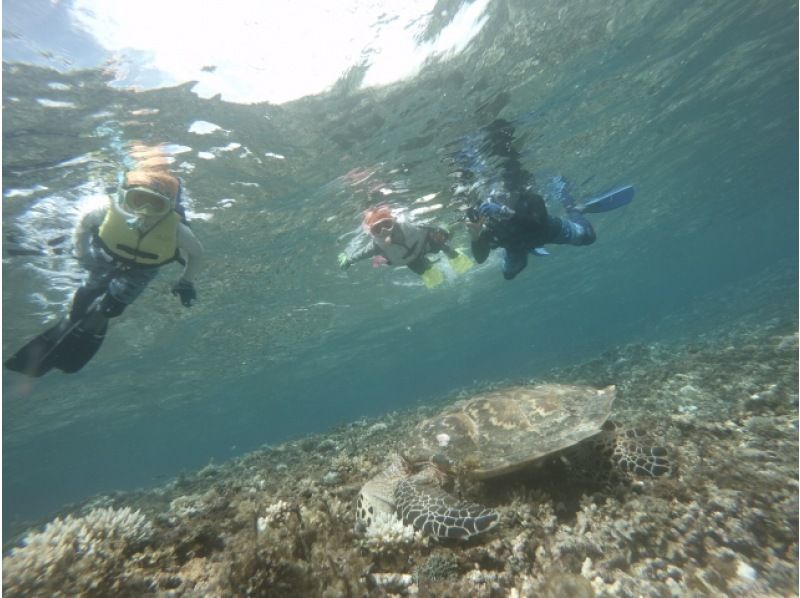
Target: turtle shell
[{"x": 504, "y": 430}]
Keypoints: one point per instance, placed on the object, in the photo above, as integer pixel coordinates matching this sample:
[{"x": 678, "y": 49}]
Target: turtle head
[{"x": 376, "y": 498}]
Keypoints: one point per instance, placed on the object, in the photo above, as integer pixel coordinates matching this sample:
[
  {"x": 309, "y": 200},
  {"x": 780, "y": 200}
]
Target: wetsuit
[
  {"x": 530, "y": 226},
  {"x": 408, "y": 247}
]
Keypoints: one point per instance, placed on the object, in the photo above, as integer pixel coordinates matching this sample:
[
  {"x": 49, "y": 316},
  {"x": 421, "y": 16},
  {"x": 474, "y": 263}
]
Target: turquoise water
[{"x": 693, "y": 103}]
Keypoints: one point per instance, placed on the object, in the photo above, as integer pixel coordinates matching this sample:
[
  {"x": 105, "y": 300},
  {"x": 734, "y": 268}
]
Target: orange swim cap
[
  {"x": 159, "y": 181},
  {"x": 376, "y": 215},
  {"x": 150, "y": 157}
]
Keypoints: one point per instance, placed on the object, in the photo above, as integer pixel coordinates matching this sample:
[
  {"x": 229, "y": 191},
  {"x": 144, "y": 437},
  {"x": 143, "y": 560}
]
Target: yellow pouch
[
  {"x": 461, "y": 263},
  {"x": 432, "y": 277}
]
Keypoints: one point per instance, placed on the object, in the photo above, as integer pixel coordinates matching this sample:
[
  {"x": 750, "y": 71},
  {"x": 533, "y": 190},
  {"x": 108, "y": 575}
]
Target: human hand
[
  {"x": 93, "y": 258},
  {"x": 102, "y": 256},
  {"x": 489, "y": 209},
  {"x": 439, "y": 236},
  {"x": 185, "y": 290},
  {"x": 344, "y": 262},
  {"x": 474, "y": 228}
]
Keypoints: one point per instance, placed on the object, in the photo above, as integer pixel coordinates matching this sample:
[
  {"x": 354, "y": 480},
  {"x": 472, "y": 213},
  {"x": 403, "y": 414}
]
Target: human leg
[
  {"x": 427, "y": 270},
  {"x": 82, "y": 300},
  {"x": 436, "y": 241},
  {"x": 574, "y": 230},
  {"x": 514, "y": 262},
  {"x": 124, "y": 288},
  {"x": 100, "y": 273},
  {"x": 420, "y": 265},
  {"x": 119, "y": 287}
]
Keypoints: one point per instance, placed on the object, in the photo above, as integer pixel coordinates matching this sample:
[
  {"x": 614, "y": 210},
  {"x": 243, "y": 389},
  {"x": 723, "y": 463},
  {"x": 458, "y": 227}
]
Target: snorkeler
[
  {"x": 514, "y": 217},
  {"x": 121, "y": 246},
  {"x": 405, "y": 244}
]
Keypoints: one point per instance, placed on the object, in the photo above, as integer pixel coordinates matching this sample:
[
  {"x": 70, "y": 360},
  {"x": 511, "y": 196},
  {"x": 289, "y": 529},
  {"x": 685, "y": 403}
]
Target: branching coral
[{"x": 77, "y": 555}]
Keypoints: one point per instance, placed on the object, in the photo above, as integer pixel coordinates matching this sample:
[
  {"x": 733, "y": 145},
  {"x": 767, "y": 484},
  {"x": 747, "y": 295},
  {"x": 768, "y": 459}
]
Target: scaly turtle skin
[
  {"x": 493, "y": 434},
  {"x": 418, "y": 499}
]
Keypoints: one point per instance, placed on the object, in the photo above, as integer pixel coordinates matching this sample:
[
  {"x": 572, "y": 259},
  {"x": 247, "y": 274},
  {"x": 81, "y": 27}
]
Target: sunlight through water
[{"x": 239, "y": 52}]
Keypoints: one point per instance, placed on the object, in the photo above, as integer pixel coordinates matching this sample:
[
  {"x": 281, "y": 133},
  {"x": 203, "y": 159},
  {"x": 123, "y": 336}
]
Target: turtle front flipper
[
  {"x": 633, "y": 456},
  {"x": 421, "y": 502}
]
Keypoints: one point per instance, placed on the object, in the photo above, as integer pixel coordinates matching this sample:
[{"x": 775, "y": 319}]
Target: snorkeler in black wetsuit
[{"x": 514, "y": 217}]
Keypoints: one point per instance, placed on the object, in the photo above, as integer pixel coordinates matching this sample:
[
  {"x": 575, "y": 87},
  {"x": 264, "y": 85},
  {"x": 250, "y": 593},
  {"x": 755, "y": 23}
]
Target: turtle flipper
[
  {"x": 377, "y": 495},
  {"x": 434, "y": 512},
  {"x": 633, "y": 456}
]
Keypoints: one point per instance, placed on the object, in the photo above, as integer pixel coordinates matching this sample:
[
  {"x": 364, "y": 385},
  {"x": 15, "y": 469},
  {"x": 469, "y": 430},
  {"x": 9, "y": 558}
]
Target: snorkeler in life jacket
[
  {"x": 401, "y": 243},
  {"x": 122, "y": 246}
]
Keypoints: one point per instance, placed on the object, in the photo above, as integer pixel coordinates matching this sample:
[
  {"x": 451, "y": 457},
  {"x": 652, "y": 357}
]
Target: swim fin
[
  {"x": 80, "y": 345},
  {"x": 36, "y": 357},
  {"x": 461, "y": 263},
  {"x": 67, "y": 346},
  {"x": 432, "y": 277},
  {"x": 608, "y": 201}
]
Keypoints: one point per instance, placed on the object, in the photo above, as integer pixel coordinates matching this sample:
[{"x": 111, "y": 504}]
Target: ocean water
[{"x": 693, "y": 103}]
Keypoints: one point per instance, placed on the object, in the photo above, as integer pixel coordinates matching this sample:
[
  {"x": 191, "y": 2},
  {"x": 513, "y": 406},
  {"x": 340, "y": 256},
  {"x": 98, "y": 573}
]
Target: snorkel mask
[
  {"x": 148, "y": 193},
  {"x": 142, "y": 201},
  {"x": 378, "y": 220}
]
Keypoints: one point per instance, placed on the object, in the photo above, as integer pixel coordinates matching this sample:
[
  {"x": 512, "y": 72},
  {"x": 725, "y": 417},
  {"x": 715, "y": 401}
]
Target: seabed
[{"x": 280, "y": 521}]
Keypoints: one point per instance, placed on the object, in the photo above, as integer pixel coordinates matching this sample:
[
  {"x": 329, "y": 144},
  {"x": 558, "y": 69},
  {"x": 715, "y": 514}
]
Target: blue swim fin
[{"x": 608, "y": 201}]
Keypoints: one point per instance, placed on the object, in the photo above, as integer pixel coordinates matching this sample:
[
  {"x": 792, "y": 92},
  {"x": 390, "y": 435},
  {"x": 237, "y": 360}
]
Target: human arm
[
  {"x": 192, "y": 253},
  {"x": 436, "y": 241},
  {"x": 480, "y": 248},
  {"x": 496, "y": 224},
  {"x": 347, "y": 259},
  {"x": 84, "y": 231},
  {"x": 479, "y": 239}
]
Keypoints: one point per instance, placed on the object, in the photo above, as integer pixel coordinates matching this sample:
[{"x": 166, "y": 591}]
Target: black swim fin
[
  {"x": 67, "y": 346},
  {"x": 36, "y": 357},
  {"x": 78, "y": 347}
]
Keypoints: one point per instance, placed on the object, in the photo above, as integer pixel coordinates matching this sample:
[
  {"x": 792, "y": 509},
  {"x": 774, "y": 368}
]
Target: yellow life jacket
[{"x": 155, "y": 247}]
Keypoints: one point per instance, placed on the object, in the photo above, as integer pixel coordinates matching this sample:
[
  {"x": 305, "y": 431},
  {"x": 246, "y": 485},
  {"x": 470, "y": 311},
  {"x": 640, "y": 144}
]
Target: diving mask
[
  {"x": 382, "y": 227},
  {"x": 142, "y": 201}
]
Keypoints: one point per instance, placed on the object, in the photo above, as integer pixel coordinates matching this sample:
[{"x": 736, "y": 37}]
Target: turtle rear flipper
[{"x": 433, "y": 511}]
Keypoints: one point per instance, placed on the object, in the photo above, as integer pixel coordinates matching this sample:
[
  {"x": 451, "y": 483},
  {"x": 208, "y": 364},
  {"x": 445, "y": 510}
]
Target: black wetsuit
[{"x": 531, "y": 226}]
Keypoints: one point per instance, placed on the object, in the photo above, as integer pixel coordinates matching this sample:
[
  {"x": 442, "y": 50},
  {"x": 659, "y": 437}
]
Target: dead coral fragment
[{"x": 275, "y": 513}]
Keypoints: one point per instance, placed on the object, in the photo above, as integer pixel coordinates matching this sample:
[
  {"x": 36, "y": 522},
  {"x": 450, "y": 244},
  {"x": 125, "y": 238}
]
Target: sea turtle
[{"x": 489, "y": 435}]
